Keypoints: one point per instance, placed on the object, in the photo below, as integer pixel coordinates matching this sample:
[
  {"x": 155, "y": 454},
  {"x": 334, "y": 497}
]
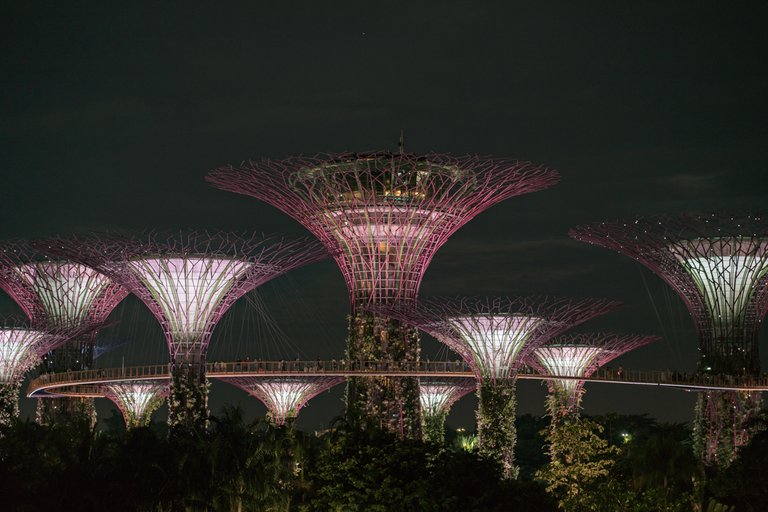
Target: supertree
[
  {"x": 578, "y": 355},
  {"x": 21, "y": 348},
  {"x": 188, "y": 281},
  {"x": 437, "y": 397},
  {"x": 284, "y": 396},
  {"x": 63, "y": 294},
  {"x": 137, "y": 400},
  {"x": 719, "y": 267},
  {"x": 494, "y": 337},
  {"x": 383, "y": 216}
]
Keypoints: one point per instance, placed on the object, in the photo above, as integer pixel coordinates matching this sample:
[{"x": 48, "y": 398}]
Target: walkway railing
[{"x": 53, "y": 383}]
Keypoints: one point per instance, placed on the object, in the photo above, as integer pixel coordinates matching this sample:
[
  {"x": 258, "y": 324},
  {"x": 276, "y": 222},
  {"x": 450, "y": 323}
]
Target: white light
[
  {"x": 568, "y": 361},
  {"x": 726, "y": 272},
  {"x": 496, "y": 341},
  {"x": 189, "y": 290},
  {"x": 438, "y": 398},
  {"x": 66, "y": 290},
  {"x": 284, "y": 397},
  {"x": 135, "y": 399},
  {"x": 18, "y": 353}
]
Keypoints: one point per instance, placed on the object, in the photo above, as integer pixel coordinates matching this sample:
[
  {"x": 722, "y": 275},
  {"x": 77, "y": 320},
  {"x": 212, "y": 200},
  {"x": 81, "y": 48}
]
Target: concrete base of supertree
[
  {"x": 9, "y": 404},
  {"x": 388, "y": 403},
  {"x": 496, "y": 429},
  {"x": 188, "y": 399},
  {"x": 52, "y": 411},
  {"x": 433, "y": 428},
  {"x": 722, "y": 425}
]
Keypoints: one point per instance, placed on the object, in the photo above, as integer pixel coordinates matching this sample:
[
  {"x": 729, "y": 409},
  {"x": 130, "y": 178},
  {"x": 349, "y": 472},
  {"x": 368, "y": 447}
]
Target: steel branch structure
[
  {"x": 63, "y": 294},
  {"x": 383, "y": 216},
  {"x": 579, "y": 355},
  {"x": 21, "y": 348},
  {"x": 137, "y": 400},
  {"x": 719, "y": 267},
  {"x": 437, "y": 397},
  {"x": 188, "y": 281},
  {"x": 494, "y": 337},
  {"x": 284, "y": 396}
]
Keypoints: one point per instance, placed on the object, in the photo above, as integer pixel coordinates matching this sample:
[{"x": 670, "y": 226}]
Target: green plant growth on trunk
[
  {"x": 496, "y": 424},
  {"x": 434, "y": 427},
  {"x": 9, "y": 403},
  {"x": 722, "y": 425},
  {"x": 188, "y": 399},
  {"x": 50, "y": 411},
  {"x": 388, "y": 403}
]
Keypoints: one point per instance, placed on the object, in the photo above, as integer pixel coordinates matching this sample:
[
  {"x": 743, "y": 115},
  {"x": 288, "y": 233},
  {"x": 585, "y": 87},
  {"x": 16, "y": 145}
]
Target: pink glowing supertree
[
  {"x": 137, "y": 400},
  {"x": 284, "y": 396},
  {"x": 719, "y": 267},
  {"x": 494, "y": 337},
  {"x": 383, "y": 216},
  {"x": 21, "y": 348},
  {"x": 64, "y": 294},
  {"x": 188, "y": 281},
  {"x": 579, "y": 355},
  {"x": 437, "y": 397}
]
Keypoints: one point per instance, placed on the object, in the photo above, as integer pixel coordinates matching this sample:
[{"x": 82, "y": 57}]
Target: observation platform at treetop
[{"x": 87, "y": 382}]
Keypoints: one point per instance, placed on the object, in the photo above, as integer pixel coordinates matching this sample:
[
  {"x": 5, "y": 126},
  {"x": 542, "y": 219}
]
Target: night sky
[{"x": 112, "y": 115}]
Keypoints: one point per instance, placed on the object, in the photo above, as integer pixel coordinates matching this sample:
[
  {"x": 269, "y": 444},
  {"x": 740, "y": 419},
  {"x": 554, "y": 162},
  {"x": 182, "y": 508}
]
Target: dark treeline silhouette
[{"x": 241, "y": 466}]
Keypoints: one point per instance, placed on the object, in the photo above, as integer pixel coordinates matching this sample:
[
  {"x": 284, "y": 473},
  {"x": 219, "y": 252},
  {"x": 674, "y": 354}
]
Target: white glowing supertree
[
  {"x": 20, "y": 350},
  {"x": 284, "y": 396},
  {"x": 383, "y": 216},
  {"x": 64, "y": 294},
  {"x": 188, "y": 281},
  {"x": 494, "y": 336},
  {"x": 137, "y": 400},
  {"x": 437, "y": 397},
  {"x": 579, "y": 355},
  {"x": 718, "y": 264}
]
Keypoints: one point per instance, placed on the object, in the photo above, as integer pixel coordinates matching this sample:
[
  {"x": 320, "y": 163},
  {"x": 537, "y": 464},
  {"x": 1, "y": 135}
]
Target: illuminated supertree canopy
[
  {"x": 54, "y": 291},
  {"x": 437, "y": 397},
  {"x": 137, "y": 400},
  {"x": 494, "y": 337},
  {"x": 383, "y": 216},
  {"x": 64, "y": 294},
  {"x": 188, "y": 281},
  {"x": 719, "y": 267},
  {"x": 20, "y": 350},
  {"x": 284, "y": 396},
  {"x": 579, "y": 355}
]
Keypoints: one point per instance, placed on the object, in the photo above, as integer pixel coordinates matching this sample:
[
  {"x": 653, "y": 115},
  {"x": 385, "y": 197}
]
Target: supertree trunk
[
  {"x": 383, "y": 402},
  {"x": 73, "y": 355},
  {"x": 9, "y": 403},
  {"x": 496, "y": 430},
  {"x": 188, "y": 398},
  {"x": 434, "y": 427},
  {"x": 721, "y": 425},
  {"x": 52, "y": 411}
]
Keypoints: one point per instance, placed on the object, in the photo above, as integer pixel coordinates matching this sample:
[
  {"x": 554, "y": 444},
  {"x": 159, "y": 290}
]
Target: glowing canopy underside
[
  {"x": 726, "y": 271},
  {"x": 66, "y": 291},
  {"x": 285, "y": 396},
  {"x": 493, "y": 341},
  {"x": 136, "y": 400},
  {"x": 19, "y": 352},
  {"x": 437, "y": 397},
  {"x": 189, "y": 291},
  {"x": 383, "y": 215},
  {"x": 569, "y": 361}
]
